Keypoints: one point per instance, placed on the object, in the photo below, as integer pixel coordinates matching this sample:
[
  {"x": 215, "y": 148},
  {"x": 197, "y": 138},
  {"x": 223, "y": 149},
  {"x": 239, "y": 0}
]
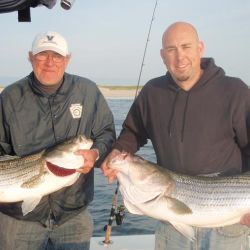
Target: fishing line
[
  {"x": 119, "y": 212},
  {"x": 145, "y": 49}
]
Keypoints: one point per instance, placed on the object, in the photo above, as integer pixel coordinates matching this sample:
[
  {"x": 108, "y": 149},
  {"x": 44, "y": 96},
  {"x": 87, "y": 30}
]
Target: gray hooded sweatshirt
[{"x": 201, "y": 131}]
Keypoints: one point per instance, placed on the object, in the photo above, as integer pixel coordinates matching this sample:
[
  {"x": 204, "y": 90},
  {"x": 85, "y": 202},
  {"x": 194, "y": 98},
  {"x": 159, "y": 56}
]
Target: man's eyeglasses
[{"x": 43, "y": 56}]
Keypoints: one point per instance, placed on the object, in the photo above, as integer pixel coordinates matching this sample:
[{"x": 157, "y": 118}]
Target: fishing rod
[
  {"x": 145, "y": 49},
  {"x": 116, "y": 212}
]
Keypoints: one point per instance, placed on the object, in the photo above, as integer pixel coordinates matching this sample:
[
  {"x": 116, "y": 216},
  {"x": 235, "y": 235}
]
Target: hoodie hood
[
  {"x": 200, "y": 131},
  {"x": 210, "y": 71}
]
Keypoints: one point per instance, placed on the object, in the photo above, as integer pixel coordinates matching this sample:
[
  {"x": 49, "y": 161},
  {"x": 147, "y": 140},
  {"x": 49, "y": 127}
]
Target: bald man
[
  {"x": 181, "y": 53},
  {"x": 197, "y": 119}
]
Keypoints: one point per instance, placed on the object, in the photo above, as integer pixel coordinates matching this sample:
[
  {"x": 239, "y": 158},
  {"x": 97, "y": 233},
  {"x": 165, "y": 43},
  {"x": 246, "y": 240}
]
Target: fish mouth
[
  {"x": 59, "y": 171},
  {"x": 121, "y": 157},
  {"x": 124, "y": 155}
]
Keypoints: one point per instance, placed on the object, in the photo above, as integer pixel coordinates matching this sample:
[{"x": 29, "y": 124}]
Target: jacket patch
[{"x": 76, "y": 110}]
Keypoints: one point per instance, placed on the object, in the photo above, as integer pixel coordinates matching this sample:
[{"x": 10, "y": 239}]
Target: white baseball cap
[{"x": 50, "y": 41}]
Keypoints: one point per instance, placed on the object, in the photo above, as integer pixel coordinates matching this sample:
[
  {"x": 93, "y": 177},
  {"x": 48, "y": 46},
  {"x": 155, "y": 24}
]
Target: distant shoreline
[
  {"x": 117, "y": 92},
  {"x": 114, "y": 91}
]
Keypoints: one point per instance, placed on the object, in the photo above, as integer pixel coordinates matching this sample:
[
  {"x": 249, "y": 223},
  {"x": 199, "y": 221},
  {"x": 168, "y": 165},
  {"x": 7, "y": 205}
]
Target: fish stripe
[{"x": 20, "y": 170}]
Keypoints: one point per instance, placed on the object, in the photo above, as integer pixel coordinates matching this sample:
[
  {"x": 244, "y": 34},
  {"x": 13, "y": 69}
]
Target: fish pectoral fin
[
  {"x": 34, "y": 181},
  {"x": 186, "y": 230},
  {"x": 177, "y": 206},
  {"x": 29, "y": 204}
]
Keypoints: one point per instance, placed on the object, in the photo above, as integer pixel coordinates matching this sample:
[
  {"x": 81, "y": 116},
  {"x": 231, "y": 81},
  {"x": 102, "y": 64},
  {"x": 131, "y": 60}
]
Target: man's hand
[
  {"x": 245, "y": 220},
  {"x": 90, "y": 156},
  {"x": 108, "y": 172}
]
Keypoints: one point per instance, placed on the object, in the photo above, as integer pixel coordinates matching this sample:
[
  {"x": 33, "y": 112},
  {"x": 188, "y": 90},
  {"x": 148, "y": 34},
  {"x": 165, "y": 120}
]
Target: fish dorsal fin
[
  {"x": 9, "y": 157},
  {"x": 29, "y": 204},
  {"x": 177, "y": 206},
  {"x": 186, "y": 230}
]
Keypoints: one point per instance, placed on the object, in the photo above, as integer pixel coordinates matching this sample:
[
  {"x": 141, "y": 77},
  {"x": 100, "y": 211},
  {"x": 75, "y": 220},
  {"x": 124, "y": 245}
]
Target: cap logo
[{"x": 50, "y": 38}]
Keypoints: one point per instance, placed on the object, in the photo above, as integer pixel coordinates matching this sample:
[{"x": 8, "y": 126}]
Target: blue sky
[{"x": 107, "y": 37}]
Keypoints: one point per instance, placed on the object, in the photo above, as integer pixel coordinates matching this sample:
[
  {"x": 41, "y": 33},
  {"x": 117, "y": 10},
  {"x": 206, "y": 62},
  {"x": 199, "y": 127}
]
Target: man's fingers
[{"x": 84, "y": 170}]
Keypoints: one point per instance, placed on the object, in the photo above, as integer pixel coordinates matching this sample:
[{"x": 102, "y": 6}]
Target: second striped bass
[{"x": 182, "y": 200}]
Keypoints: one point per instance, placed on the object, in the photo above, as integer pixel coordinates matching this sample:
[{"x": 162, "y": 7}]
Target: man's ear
[
  {"x": 201, "y": 48},
  {"x": 161, "y": 53},
  {"x": 30, "y": 57},
  {"x": 68, "y": 59}
]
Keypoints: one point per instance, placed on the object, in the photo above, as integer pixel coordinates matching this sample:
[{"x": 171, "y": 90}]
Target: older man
[
  {"x": 45, "y": 108},
  {"x": 198, "y": 121}
]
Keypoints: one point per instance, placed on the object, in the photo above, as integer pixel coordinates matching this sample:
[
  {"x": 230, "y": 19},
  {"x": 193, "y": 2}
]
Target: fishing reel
[{"x": 119, "y": 215}]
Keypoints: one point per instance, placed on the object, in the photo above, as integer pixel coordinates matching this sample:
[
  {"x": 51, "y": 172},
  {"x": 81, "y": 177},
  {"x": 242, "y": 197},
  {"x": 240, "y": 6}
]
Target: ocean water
[{"x": 101, "y": 205}]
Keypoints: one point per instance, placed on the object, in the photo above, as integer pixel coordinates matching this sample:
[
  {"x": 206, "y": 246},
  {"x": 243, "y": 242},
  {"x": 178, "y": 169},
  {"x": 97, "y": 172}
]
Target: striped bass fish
[
  {"x": 182, "y": 200},
  {"x": 31, "y": 177}
]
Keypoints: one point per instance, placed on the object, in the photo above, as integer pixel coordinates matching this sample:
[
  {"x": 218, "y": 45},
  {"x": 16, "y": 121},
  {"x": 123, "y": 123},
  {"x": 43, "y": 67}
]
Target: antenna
[{"x": 145, "y": 50}]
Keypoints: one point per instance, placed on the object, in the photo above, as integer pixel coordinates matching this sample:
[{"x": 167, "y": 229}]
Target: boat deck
[{"x": 129, "y": 242}]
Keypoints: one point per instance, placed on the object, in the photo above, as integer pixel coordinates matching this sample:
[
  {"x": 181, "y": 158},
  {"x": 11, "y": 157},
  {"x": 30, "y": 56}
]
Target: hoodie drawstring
[
  {"x": 173, "y": 113},
  {"x": 184, "y": 118}
]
